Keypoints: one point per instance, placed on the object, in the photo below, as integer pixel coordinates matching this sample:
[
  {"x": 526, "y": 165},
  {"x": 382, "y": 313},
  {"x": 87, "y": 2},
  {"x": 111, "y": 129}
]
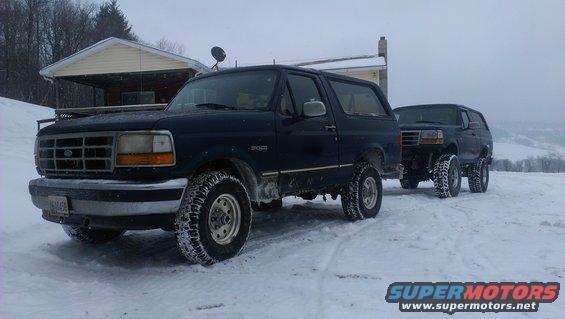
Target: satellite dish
[{"x": 219, "y": 54}]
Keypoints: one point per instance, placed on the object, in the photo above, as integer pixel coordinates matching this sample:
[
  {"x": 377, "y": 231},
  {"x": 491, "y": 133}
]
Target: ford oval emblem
[{"x": 68, "y": 153}]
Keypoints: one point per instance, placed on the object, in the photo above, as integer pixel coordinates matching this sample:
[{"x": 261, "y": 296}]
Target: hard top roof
[
  {"x": 432, "y": 105},
  {"x": 282, "y": 67}
]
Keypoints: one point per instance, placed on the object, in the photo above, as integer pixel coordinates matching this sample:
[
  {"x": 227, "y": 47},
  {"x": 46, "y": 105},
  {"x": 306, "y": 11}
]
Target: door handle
[{"x": 330, "y": 127}]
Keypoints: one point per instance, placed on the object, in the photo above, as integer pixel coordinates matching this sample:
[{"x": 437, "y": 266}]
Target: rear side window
[
  {"x": 357, "y": 99},
  {"x": 465, "y": 118},
  {"x": 476, "y": 117},
  {"x": 303, "y": 89}
]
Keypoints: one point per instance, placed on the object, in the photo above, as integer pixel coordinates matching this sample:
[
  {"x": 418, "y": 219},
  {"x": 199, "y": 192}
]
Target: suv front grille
[
  {"x": 410, "y": 138},
  {"x": 75, "y": 153}
]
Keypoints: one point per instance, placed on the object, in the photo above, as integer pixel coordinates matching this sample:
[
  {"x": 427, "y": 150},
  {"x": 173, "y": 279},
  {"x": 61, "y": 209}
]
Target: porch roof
[{"x": 114, "y": 55}]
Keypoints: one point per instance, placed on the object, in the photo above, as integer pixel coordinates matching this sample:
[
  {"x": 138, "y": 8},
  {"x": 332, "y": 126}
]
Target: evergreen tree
[{"x": 110, "y": 21}]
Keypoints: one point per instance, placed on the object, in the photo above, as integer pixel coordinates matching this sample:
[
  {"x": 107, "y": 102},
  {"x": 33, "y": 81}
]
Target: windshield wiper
[{"x": 216, "y": 106}]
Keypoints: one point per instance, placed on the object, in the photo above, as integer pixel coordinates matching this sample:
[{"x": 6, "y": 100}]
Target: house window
[{"x": 140, "y": 97}]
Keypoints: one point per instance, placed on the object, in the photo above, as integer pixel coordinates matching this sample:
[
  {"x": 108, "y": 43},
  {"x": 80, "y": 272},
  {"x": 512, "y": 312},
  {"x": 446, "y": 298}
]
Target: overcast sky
[{"x": 505, "y": 58}]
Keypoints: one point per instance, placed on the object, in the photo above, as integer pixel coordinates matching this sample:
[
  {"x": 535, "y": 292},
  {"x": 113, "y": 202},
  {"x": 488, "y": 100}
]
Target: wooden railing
[
  {"x": 110, "y": 109},
  {"x": 74, "y": 112}
]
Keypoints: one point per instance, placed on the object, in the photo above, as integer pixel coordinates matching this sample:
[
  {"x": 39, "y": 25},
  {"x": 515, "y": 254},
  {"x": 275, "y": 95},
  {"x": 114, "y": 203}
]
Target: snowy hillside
[
  {"x": 526, "y": 140},
  {"x": 301, "y": 261},
  {"x": 516, "y": 152}
]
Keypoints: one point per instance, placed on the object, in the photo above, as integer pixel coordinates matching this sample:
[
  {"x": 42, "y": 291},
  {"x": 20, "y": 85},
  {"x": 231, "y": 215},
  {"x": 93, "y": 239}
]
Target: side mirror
[
  {"x": 313, "y": 109},
  {"x": 474, "y": 125}
]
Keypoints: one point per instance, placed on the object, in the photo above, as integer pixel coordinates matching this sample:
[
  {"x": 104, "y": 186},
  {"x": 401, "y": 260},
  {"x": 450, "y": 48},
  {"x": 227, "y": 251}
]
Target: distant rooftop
[{"x": 365, "y": 62}]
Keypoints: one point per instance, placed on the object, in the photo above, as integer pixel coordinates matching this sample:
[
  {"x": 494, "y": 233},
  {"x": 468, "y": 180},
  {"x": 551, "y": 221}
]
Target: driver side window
[
  {"x": 465, "y": 118},
  {"x": 303, "y": 89}
]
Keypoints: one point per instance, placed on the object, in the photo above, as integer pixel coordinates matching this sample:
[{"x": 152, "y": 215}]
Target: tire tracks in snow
[
  {"x": 457, "y": 260},
  {"x": 334, "y": 251}
]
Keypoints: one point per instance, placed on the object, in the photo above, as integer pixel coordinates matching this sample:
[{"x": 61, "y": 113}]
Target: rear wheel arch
[{"x": 374, "y": 156}]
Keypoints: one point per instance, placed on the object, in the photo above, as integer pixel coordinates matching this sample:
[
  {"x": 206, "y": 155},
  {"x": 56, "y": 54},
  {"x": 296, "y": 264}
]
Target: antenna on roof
[{"x": 219, "y": 55}]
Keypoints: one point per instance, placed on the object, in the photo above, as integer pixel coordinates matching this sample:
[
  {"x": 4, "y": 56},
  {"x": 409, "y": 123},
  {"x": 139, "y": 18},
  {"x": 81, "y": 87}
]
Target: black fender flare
[{"x": 374, "y": 155}]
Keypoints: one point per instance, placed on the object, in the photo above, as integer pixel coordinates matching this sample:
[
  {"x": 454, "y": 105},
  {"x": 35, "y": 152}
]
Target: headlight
[
  {"x": 145, "y": 149},
  {"x": 431, "y": 137}
]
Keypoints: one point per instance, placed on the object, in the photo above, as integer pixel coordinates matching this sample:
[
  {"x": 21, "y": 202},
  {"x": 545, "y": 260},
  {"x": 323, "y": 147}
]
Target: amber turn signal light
[
  {"x": 145, "y": 159},
  {"x": 431, "y": 141}
]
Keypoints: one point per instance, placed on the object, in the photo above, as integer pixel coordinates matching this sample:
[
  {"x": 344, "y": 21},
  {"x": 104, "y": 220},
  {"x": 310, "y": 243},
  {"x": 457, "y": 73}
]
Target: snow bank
[
  {"x": 17, "y": 136},
  {"x": 18, "y": 125},
  {"x": 18, "y": 118}
]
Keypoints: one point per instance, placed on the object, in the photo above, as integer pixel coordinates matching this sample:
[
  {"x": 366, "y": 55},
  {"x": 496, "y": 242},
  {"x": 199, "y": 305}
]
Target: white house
[
  {"x": 132, "y": 73},
  {"x": 128, "y": 72}
]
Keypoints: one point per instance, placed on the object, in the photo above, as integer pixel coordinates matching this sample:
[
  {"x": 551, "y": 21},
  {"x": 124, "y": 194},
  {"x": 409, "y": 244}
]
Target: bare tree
[
  {"x": 170, "y": 46},
  {"x": 36, "y": 33}
]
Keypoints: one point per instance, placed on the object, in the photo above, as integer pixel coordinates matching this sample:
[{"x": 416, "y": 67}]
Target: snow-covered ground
[{"x": 301, "y": 261}]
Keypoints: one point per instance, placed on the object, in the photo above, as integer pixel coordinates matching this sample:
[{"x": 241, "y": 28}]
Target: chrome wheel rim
[
  {"x": 224, "y": 219},
  {"x": 455, "y": 178},
  {"x": 369, "y": 192}
]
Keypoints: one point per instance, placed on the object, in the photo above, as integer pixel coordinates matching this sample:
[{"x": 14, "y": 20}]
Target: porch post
[
  {"x": 93, "y": 95},
  {"x": 56, "y": 89},
  {"x": 383, "y": 74}
]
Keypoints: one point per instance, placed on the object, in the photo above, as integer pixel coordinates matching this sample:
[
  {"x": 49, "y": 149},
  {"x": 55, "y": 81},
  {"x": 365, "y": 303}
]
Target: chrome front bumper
[{"x": 110, "y": 197}]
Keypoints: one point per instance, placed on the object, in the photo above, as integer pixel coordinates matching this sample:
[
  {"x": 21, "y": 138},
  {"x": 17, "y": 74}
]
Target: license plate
[{"x": 58, "y": 205}]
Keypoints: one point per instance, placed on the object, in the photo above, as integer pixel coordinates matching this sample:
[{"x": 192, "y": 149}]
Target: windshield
[
  {"x": 434, "y": 115},
  {"x": 249, "y": 90}
]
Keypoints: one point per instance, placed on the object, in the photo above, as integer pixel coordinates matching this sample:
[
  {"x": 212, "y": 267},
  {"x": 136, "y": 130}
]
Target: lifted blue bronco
[{"x": 444, "y": 142}]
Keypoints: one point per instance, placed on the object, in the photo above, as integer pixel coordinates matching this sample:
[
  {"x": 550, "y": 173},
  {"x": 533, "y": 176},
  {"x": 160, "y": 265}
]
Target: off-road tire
[
  {"x": 478, "y": 176},
  {"x": 262, "y": 206},
  {"x": 445, "y": 166},
  {"x": 92, "y": 236},
  {"x": 192, "y": 231},
  {"x": 351, "y": 197},
  {"x": 409, "y": 183}
]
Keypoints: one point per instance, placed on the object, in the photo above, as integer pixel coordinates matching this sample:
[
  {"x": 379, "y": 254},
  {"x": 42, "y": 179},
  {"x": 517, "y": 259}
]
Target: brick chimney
[{"x": 383, "y": 74}]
